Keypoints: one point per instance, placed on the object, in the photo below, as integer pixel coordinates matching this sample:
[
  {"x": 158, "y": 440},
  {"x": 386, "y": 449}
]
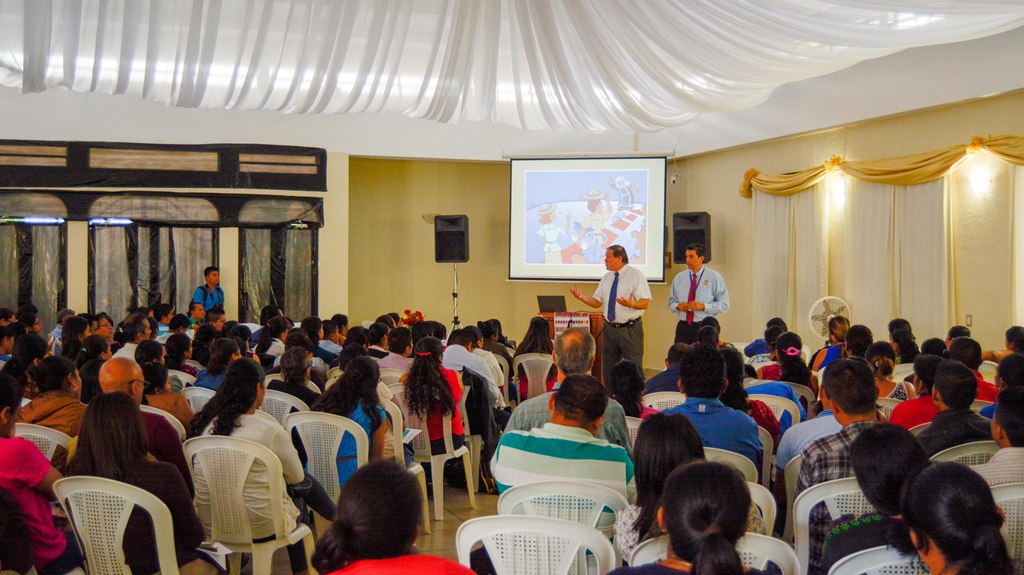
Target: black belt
[{"x": 629, "y": 323}]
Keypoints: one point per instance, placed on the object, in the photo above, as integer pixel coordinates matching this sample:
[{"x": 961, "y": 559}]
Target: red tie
[{"x": 693, "y": 294}]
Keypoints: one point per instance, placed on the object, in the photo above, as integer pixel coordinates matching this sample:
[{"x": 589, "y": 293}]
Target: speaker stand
[{"x": 456, "y": 324}]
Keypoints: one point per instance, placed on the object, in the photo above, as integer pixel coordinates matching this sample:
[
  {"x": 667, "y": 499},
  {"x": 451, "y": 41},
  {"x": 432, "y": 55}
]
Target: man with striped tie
[
  {"x": 625, "y": 295},
  {"x": 697, "y": 293}
]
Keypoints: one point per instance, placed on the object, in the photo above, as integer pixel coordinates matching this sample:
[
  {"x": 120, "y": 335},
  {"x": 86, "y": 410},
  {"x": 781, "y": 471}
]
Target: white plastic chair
[
  {"x": 535, "y": 545},
  {"x": 313, "y": 387},
  {"x": 974, "y": 453},
  {"x": 740, "y": 462},
  {"x": 505, "y": 368},
  {"x": 757, "y": 550},
  {"x": 917, "y": 429},
  {"x": 44, "y": 438},
  {"x": 662, "y": 400},
  {"x": 987, "y": 369},
  {"x": 576, "y": 501},
  {"x": 186, "y": 379},
  {"x": 390, "y": 376},
  {"x": 840, "y": 496},
  {"x": 879, "y": 561},
  {"x": 887, "y": 404},
  {"x": 633, "y": 426},
  {"x": 978, "y": 404},
  {"x": 765, "y": 502},
  {"x": 99, "y": 510},
  {"x": 649, "y": 551},
  {"x": 321, "y": 435},
  {"x": 397, "y": 431},
  {"x": 279, "y": 404},
  {"x": 901, "y": 371},
  {"x": 767, "y": 455},
  {"x": 226, "y": 463},
  {"x": 779, "y": 405},
  {"x": 475, "y": 441},
  {"x": 24, "y": 401},
  {"x": 331, "y": 382},
  {"x": 804, "y": 392},
  {"x": 175, "y": 423},
  {"x": 272, "y": 377},
  {"x": 421, "y": 447},
  {"x": 792, "y": 475},
  {"x": 334, "y": 372},
  {"x": 536, "y": 366},
  {"x": 1010, "y": 498},
  {"x": 198, "y": 397}
]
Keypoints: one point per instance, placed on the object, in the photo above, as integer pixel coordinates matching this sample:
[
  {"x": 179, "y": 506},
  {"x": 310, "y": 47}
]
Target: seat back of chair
[
  {"x": 225, "y": 463},
  {"x": 321, "y": 435},
  {"x": 313, "y": 387},
  {"x": 767, "y": 455},
  {"x": 44, "y": 438},
  {"x": 633, "y": 426},
  {"x": 466, "y": 390},
  {"x": 535, "y": 545},
  {"x": 421, "y": 443},
  {"x": 536, "y": 366},
  {"x": 879, "y": 561},
  {"x": 390, "y": 376},
  {"x": 765, "y": 502},
  {"x": 1010, "y": 498},
  {"x": 840, "y": 496},
  {"x": 902, "y": 370},
  {"x": 978, "y": 404},
  {"x": 198, "y": 397},
  {"x": 279, "y": 404},
  {"x": 887, "y": 404},
  {"x": 397, "y": 430},
  {"x": 791, "y": 475},
  {"x": 99, "y": 510},
  {"x": 173, "y": 421},
  {"x": 740, "y": 462},
  {"x": 649, "y": 551},
  {"x": 803, "y": 392},
  {"x": 756, "y": 551},
  {"x": 779, "y": 405},
  {"x": 575, "y": 501},
  {"x": 503, "y": 364},
  {"x": 186, "y": 379},
  {"x": 662, "y": 400},
  {"x": 974, "y": 453}
]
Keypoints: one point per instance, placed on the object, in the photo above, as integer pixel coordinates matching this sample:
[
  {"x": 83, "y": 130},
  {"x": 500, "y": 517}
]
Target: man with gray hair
[{"x": 573, "y": 355}]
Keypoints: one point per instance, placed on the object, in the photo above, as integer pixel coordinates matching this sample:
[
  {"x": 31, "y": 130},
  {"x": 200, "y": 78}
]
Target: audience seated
[
  {"x": 231, "y": 412},
  {"x": 113, "y": 445},
  {"x": 225, "y": 351},
  {"x": 7, "y": 337},
  {"x": 760, "y": 346},
  {"x": 627, "y": 387},
  {"x": 73, "y": 333},
  {"x": 796, "y": 439},
  {"x": 934, "y": 346},
  {"x": 202, "y": 343},
  {"x": 136, "y": 330},
  {"x": 378, "y": 332},
  {"x": 536, "y": 340},
  {"x": 702, "y": 379},
  {"x": 374, "y": 533},
  {"x": 179, "y": 349},
  {"x": 331, "y": 340},
  {"x": 1014, "y": 344},
  {"x": 93, "y": 347},
  {"x": 90, "y": 375},
  {"x": 954, "y": 522},
  {"x": 272, "y": 336},
  {"x": 667, "y": 380},
  {"x": 477, "y": 342},
  {"x": 28, "y": 351},
  {"x": 432, "y": 392},
  {"x": 858, "y": 340},
  {"x": 968, "y": 352},
  {"x": 904, "y": 344},
  {"x": 150, "y": 352},
  {"x": 704, "y": 511},
  {"x": 15, "y": 556},
  {"x": 769, "y": 361},
  {"x": 1009, "y": 373},
  {"x": 883, "y": 458},
  {"x": 566, "y": 446},
  {"x": 850, "y": 392},
  {"x": 399, "y": 350},
  {"x": 58, "y": 405},
  {"x": 355, "y": 397},
  {"x": 574, "y": 355},
  {"x": 955, "y": 332},
  {"x": 921, "y": 409},
  {"x": 491, "y": 331},
  {"x": 458, "y": 356},
  {"x": 738, "y": 398},
  {"x": 1007, "y": 464},
  {"x": 838, "y": 327},
  {"x": 28, "y": 477},
  {"x": 314, "y": 329},
  {"x": 159, "y": 395},
  {"x": 954, "y": 389},
  {"x": 882, "y": 359},
  {"x": 295, "y": 371},
  {"x": 318, "y": 369}
]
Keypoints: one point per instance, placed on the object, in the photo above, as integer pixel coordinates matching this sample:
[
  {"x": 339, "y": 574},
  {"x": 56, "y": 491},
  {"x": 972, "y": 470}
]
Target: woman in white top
[
  {"x": 272, "y": 337},
  {"x": 232, "y": 412}
]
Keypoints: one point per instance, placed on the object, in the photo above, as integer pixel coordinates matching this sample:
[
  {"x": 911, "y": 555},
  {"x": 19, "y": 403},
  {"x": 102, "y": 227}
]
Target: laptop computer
[{"x": 551, "y": 303}]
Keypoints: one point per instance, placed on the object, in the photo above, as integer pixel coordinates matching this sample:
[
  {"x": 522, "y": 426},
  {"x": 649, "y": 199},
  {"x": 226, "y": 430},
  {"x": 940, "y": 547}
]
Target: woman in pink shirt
[
  {"x": 627, "y": 385},
  {"x": 28, "y": 476},
  {"x": 432, "y": 392}
]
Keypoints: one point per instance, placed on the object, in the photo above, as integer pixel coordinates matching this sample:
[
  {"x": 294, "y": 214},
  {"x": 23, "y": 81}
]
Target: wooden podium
[{"x": 596, "y": 329}]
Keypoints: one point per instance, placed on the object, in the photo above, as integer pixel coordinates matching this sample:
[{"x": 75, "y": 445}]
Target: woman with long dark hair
[
  {"x": 58, "y": 405},
  {"x": 231, "y": 412},
  {"x": 536, "y": 340},
  {"x": 432, "y": 392},
  {"x": 28, "y": 351},
  {"x": 882, "y": 359},
  {"x": 159, "y": 395},
  {"x": 93, "y": 347},
  {"x": 791, "y": 366},
  {"x": 74, "y": 332},
  {"x": 224, "y": 352},
  {"x": 905, "y": 344},
  {"x": 113, "y": 445},
  {"x": 355, "y": 396},
  {"x": 379, "y": 512},
  {"x": 737, "y": 397},
  {"x": 627, "y": 387},
  {"x": 272, "y": 336},
  {"x": 179, "y": 348}
]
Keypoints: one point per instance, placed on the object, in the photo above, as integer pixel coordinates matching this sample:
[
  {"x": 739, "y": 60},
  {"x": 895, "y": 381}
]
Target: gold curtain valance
[{"x": 903, "y": 171}]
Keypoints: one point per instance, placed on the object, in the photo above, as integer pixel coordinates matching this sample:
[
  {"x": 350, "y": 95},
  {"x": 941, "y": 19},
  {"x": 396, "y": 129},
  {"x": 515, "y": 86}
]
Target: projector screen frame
[{"x": 654, "y": 214}]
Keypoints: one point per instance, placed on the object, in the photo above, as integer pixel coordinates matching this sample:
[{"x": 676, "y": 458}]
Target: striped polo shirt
[{"x": 557, "y": 452}]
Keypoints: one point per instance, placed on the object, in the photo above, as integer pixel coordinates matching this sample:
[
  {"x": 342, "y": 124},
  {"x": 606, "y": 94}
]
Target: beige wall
[{"x": 391, "y": 265}]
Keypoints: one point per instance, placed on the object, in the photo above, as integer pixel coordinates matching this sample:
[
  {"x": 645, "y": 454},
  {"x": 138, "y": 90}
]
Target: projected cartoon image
[{"x": 573, "y": 216}]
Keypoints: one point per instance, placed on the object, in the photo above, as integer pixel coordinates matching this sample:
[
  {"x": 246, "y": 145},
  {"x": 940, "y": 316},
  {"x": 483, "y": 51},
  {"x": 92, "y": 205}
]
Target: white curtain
[
  {"x": 791, "y": 263},
  {"x": 1017, "y": 249},
  {"x": 896, "y": 256},
  {"x": 624, "y": 65}
]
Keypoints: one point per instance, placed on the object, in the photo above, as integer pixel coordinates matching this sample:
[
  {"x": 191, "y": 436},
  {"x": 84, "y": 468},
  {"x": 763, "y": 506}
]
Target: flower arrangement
[{"x": 410, "y": 317}]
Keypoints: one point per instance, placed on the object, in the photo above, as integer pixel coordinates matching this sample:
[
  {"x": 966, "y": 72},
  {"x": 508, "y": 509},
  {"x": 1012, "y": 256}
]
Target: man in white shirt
[
  {"x": 697, "y": 293},
  {"x": 459, "y": 356},
  {"x": 625, "y": 295},
  {"x": 136, "y": 328},
  {"x": 478, "y": 341}
]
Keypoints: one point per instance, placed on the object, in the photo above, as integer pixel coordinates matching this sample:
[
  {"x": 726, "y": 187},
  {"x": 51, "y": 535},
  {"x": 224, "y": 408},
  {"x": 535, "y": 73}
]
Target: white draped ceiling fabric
[{"x": 622, "y": 65}]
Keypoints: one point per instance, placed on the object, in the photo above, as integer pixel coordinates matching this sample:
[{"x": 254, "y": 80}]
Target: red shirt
[
  {"x": 419, "y": 564},
  {"x": 913, "y": 412},
  {"x": 986, "y": 390},
  {"x": 435, "y": 420}
]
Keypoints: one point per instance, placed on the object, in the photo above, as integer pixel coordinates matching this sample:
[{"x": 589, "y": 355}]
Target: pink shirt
[{"x": 22, "y": 468}]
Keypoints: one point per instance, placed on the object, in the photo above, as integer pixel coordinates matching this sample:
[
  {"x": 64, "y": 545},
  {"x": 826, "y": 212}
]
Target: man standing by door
[{"x": 697, "y": 293}]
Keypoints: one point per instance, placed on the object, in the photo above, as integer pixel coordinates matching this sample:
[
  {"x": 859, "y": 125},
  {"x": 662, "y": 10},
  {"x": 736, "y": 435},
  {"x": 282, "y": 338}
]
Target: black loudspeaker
[
  {"x": 690, "y": 228},
  {"x": 451, "y": 239}
]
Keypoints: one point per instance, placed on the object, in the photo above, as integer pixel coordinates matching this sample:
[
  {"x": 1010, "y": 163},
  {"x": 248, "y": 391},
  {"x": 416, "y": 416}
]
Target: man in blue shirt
[
  {"x": 702, "y": 379},
  {"x": 210, "y": 294},
  {"x": 697, "y": 293},
  {"x": 667, "y": 380}
]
